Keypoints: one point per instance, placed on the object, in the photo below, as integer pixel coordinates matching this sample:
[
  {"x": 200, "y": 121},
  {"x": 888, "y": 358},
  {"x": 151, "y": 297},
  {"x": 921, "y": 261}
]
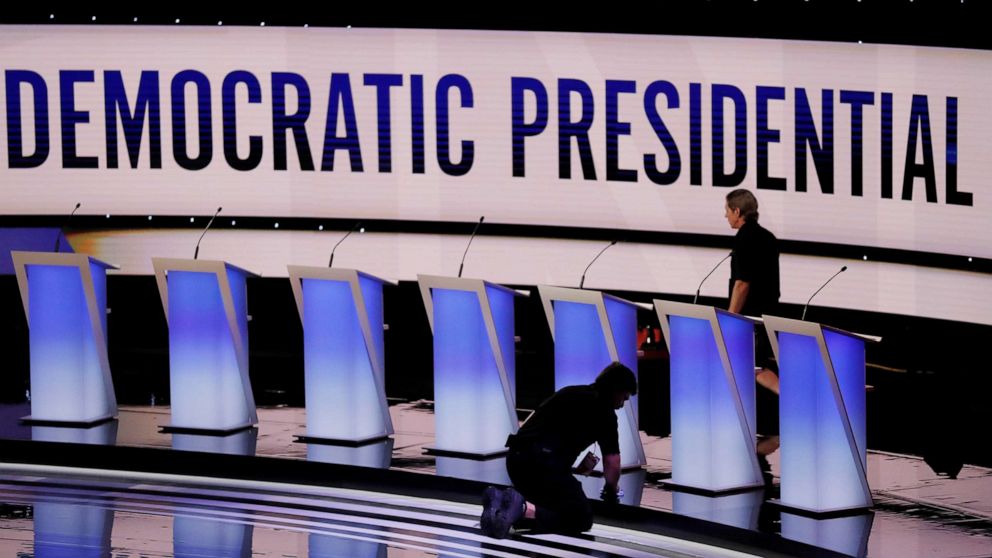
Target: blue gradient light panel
[
  {"x": 711, "y": 449},
  {"x": 820, "y": 470},
  {"x": 204, "y": 379},
  {"x": 342, "y": 398},
  {"x": 469, "y": 404},
  {"x": 67, "y": 382},
  {"x": 580, "y": 344}
]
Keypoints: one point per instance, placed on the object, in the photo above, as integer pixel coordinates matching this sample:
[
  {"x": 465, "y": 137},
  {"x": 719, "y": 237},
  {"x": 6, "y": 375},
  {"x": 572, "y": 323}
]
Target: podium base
[
  {"x": 351, "y": 443},
  {"x": 479, "y": 456},
  {"x": 34, "y": 421},
  {"x": 171, "y": 429},
  {"x": 809, "y": 512},
  {"x": 676, "y": 487}
]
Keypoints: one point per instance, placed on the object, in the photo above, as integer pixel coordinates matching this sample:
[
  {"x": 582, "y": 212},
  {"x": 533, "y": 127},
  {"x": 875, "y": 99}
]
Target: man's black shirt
[
  {"x": 755, "y": 261},
  {"x": 569, "y": 422}
]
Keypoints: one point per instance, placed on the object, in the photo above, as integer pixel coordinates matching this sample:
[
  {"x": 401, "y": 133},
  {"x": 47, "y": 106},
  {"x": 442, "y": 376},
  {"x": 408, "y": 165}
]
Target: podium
[
  {"x": 343, "y": 351},
  {"x": 821, "y": 416},
  {"x": 590, "y": 330},
  {"x": 474, "y": 365},
  {"x": 712, "y": 397},
  {"x": 206, "y": 307},
  {"x": 65, "y": 301}
]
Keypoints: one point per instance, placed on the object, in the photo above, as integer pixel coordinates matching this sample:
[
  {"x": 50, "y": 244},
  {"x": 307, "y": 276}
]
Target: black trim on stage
[{"x": 404, "y": 483}]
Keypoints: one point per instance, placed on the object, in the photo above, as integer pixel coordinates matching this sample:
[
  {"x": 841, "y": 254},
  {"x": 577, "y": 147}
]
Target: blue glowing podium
[
  {"x": 343, "y": 352},
  {"x": 712, "y": 397},
  {"x": 590, "y": 330},
  {"x": 206, "y": 307},
  {"x": 821, "y": 416},
  {"x": 65, "y": 301},
  {"x": 474, "y": 365}
]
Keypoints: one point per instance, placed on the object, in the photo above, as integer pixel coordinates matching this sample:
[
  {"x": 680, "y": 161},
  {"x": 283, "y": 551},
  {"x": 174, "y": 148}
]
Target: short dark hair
[
  {"x": 745, "y": 201},
  {"x": 616, "y": 378}
]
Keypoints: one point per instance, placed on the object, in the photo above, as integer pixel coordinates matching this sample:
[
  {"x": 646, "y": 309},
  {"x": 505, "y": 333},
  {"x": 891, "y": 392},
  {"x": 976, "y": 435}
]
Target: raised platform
[{"x": 917, "y": 513}]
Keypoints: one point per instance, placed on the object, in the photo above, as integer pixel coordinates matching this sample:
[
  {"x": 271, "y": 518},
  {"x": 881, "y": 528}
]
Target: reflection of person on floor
[{"x": 545, "y": 495}]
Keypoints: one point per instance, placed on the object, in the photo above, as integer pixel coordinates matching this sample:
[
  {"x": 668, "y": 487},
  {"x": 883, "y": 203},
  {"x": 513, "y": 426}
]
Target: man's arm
[
  {"x": 611, "y": 472},
  {"x": 738, "y": 296}
]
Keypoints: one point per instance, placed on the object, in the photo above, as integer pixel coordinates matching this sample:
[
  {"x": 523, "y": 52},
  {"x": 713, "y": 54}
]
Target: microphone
[
  {"x": 695, "y": 298},
  {"x": 58, "y": 237},
  {"x": 843, "y": 269},
  {"x": 210, "y": 222},
  {"x": 477, "y": 225},
  {"x": 331, "y": 261},
  {"x": 583, "y": 280}
]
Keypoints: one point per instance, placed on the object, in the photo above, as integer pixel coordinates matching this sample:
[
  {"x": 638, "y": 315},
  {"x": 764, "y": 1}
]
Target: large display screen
[{"x": 868, "y": 145}]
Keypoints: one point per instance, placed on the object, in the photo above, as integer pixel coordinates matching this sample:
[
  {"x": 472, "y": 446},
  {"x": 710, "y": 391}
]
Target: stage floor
[{"x": 917, "y": 513}]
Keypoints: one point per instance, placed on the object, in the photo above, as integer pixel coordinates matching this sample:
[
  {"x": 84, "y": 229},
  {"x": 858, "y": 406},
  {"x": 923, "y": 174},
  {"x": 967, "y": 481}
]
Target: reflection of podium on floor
[
  {"x": 590, "y": 330},
  {"x": 343, "y": 349},
  {"x": 206, "y": 307},
  {"x": 712, "y": 397},
  {"x": 474, "y": 365},
  {"x": 63, "y": 529},
  {"x": 738, "y": 509},
  {"x": 242, "y": 442},
  {"x": 65, "y": 301},
  {"x": 848, "y": 534},
  {"x": 376, "y": 455},
  {"x": 821, "y": 415}
]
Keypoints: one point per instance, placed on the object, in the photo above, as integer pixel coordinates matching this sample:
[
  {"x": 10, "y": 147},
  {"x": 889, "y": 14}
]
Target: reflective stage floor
[{"x": 46, "y": 510}]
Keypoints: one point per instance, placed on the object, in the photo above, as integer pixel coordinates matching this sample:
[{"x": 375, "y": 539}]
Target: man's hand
[
  {"x": 610, "y": 494},
  {"x": 738, "y": 296}
]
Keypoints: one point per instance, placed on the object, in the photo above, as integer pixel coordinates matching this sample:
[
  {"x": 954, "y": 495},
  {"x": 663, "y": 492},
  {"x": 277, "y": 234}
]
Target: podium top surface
[
  {"x": 586, "y": 296},
  {"x": 702, "y": 311},
  {"x": 333, "y": 273},
  {"x": 203, "y": 266},
  {"x": 803, "y": 327},
  {"x": 56, "y": 258},
  {"x": 462, "y": 283}
]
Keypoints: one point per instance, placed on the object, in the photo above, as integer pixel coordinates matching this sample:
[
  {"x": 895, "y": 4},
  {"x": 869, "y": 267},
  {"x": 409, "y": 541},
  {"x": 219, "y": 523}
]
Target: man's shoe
[
  {"x": 509, "y": 510},
  {"x": 491, "y": 499}
]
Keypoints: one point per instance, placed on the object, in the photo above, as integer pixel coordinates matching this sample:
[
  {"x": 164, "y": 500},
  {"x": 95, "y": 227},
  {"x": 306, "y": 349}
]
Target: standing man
[
  {"x": 754, "y": 277},
  {"x": 545, "y": 495}
]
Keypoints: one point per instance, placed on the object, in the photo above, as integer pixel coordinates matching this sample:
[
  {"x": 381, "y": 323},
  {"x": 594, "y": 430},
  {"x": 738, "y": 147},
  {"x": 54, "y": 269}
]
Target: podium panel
[
  {"x": 474, "y": 364},
  {"x": 712, "y": 397},
  {"x": 590, "y": 330},
  {"x": 822, "y": 416},
  {"x": 344, "y": 354},
  {"x": 206, "y": 308},
  {"x": 65, "y": 301}
]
